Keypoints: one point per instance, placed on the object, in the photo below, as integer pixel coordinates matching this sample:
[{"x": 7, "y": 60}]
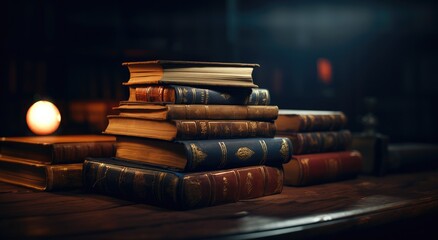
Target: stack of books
[
  {"x": 321, "y": 150},
  {"x": 50, "y": 163},
  {"x": 191, "y": 134}
]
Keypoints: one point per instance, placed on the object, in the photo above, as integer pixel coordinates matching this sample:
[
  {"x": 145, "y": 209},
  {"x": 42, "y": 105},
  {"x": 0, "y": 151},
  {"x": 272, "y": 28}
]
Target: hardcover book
[
  {"x": 191, "y": 73},
  {"x": 322, "y": 167},
  {"x": 410, "y": 157},
  {"x": 58, "y": 149},
  {"x": 195, "y": 112},
  {"x": 43, "y": 177},
  {"x": 175, "y": 94},
  {"x": 188, "y": 129},
  {"x": 290, "y": 121},
  {"x": 374, "y": 150},
  {"x": 316, "y": 142},
  {"x": 175, "y": 190},
  {"x": 204, "y": 155}
]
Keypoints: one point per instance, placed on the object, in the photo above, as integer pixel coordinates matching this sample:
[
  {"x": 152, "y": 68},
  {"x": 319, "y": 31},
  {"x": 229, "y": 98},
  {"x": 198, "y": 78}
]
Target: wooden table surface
[{"x": 402, "y": 203}]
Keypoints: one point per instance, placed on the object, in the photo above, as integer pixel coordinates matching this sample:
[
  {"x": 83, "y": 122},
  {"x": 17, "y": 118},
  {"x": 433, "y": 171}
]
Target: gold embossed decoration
[
  {"x": 264, "y": 150},
  {"x": 184, "y": 95},
  {"x": 284, "y": 149},
  {"x": 192, "y": 191},
  {"x": 224, "y": 150},
  {"x": 198, "y": 155},
  {"x": 203, "y": 126},
  {"x": 248, "y": 183},
  {"x": 225, "y": 96},
  {"x": 225, "y": 189},
  {"x": 244, "y": 153}
]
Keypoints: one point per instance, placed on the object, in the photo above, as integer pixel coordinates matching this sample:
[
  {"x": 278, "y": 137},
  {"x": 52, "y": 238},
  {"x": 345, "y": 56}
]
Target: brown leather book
[
  {"x": 290, "y": 121},
  {"x": 43, "y": 177},
  {"x": 180, "y": 190},
  {"x": 316, "y": 142},
  {"x": 191, "y": 73},
  {"x": 58, "y": 149},
  {"x": 197, "y": 111},
  {"x": 322, "y": 167},
  {"x": 176, "y": 94},
  {"x": 188, "y": 129}
]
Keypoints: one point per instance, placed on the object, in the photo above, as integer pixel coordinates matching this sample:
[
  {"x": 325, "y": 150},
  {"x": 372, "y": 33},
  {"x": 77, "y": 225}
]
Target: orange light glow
[
  {"x": 43, "y": 118},
  {"x": 324, "y": 68}
]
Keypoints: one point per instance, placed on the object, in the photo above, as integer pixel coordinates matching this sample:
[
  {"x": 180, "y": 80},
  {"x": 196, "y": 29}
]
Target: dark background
[{"x": 70, "y": 52}]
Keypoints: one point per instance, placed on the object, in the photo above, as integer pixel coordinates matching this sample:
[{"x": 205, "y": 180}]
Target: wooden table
[{"x": 401, "y": 205}]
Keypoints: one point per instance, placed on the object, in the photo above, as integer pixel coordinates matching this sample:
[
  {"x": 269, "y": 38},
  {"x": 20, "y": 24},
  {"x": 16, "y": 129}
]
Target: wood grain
[{"x": 321, "y": 210}]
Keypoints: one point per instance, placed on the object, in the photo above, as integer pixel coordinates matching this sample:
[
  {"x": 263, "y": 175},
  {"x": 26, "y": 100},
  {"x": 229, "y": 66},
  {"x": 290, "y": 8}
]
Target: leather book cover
[
  {"x": 58, "y": 149},
  {"x": 290, "y": 121},
  {"x": 42, "y": 177},
  {"x": 191, "y": 95},
  {"x": 204, "y": 155},
  {"x": 316, "y": 142},
  {"x": 175, "y": 190},
  {"x": 317, "y": 168},
  {"x": 197, "y": 111},
  {"x": 188, "y": 129}
]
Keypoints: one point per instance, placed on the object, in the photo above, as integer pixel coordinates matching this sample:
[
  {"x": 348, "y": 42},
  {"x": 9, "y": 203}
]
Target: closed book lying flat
[
  {"x": 290, "y": 121},
  {"x": 175, "y": 94},
  {"x": 58, "y": 149},
  {"x": 318, "y": 168},
  {"x": 191, "y": 73},
  {"x": 180, "y": 190},
  {"x": 316, "y": 142},
  {"x": 204, "y": 155},
  {"x": 199, "y": 111},
  {"x": 43, "y": 177},
  {"x": 188, "y": 129},
  {"x": 410, "y": 157}
]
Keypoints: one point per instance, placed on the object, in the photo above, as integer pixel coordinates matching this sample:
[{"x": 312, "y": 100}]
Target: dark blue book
[{"x": 205, "y": 155}]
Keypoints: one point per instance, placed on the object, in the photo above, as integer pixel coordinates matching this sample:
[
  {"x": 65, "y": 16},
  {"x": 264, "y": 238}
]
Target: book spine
[
  {"x": 64, "y": 176},
  {"x": 177, "y": 191},
  {"x": 231, "y": 153},
  {"x": 316, "y": 142},
  {"x": 222, "y": 112},
  {"x": 205, "y": 129},
  {"x": 321, "y": 168},
  {"x": 192, "y": 95},
  {"x": 322, "y": 122},
  {"x": 76, "y": 152}
]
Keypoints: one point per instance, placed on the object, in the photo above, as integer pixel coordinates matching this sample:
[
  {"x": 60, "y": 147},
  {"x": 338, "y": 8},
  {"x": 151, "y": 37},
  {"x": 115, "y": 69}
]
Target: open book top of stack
[{"x": 191, "y": 73}]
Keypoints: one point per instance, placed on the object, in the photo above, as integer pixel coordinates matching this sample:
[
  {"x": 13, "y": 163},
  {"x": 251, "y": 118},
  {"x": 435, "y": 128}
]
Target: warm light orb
[{"x": 43, "y": 118}]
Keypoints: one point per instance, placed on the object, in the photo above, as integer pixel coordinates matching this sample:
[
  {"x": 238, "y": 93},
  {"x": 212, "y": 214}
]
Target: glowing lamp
[{"x": 43, "y": 118}]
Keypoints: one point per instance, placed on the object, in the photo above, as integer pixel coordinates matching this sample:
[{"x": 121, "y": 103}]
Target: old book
[
  {"x": 58, "y": 149},
  {"x": 180, "y": 190},
  {"x": 200, "y": 111},
  {"x": 374, "y": 150},
  {"x": 204, "y": 155},
  {"x": 188, "y": 129},
  {"x": 309, "y": 121},
  {"x": 191, "y": 73},
  {"x": 410, "y": 157},
  {"x": 316, "y": 142},
  {"x": 43, "y": 177},
  {"x": 176, "y": 94},
  {"x": 317, "y": 168}
]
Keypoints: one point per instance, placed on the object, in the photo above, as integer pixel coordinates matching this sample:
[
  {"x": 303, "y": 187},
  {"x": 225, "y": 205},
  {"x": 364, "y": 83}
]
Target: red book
[{"x": 317, "y": 168}]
